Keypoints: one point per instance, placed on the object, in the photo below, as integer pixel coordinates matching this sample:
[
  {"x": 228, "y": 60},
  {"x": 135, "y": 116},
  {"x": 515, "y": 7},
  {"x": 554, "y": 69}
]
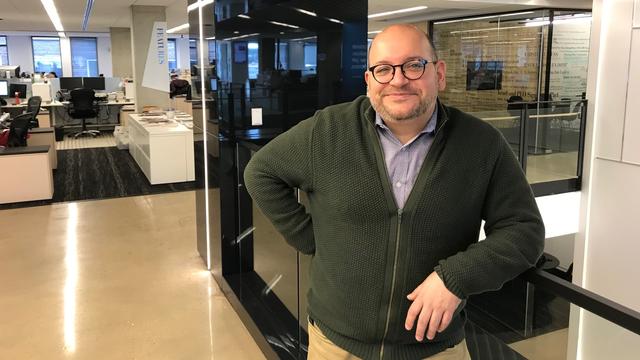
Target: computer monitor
[
  {"x": 95, "y": 83},
  {"x": 70, "y": 83},
  {"x": 21, "y": 89},
  {"x": 214, "y": 85},
  {"x": 4, "y": 88}
]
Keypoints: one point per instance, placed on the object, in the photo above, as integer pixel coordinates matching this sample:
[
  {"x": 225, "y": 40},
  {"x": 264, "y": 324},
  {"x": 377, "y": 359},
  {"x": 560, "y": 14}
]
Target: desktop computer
[
  {"x": 95, "y": 83},
  {"x": 43, "y": 90},
  {"x": 21, "y": 89},
  {"x": 70, "y": 83}
]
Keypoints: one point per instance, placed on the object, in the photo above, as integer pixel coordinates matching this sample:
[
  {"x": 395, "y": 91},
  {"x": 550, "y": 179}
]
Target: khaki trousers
[{"x": 321, "y": 348}]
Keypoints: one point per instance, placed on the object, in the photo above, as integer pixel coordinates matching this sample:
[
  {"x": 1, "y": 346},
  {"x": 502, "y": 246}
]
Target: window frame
[
  {"x": 95, "y": 39},
  {"x": 33, "y": 52}
]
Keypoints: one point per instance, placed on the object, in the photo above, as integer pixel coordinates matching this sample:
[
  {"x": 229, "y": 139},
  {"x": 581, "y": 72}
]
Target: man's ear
[{"x": 441, "y": 70}]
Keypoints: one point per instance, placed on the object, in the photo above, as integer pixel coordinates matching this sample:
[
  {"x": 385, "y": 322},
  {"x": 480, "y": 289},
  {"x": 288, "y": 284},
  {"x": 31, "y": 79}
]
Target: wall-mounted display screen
[{"x": 484, "y": 75}]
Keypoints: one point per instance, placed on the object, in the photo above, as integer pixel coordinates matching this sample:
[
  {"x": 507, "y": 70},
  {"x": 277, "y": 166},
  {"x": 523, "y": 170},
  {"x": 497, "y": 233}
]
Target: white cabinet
[{"x": 163, "y": 151}]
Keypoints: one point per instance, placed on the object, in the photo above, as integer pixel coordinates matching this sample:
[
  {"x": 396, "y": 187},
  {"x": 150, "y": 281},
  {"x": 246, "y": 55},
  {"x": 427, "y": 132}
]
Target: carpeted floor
[{"x": 99, "y": 173}]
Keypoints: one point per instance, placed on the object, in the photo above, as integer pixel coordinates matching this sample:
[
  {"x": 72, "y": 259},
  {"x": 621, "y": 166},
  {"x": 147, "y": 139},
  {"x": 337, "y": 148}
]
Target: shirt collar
[{"x": 429, "y": 129}]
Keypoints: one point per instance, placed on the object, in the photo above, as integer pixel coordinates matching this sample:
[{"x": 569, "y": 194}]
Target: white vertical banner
[{"x": 156, "y": 69}]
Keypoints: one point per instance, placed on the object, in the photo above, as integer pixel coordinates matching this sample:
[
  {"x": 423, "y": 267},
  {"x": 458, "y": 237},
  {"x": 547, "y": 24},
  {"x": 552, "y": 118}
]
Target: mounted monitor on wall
[{"x": 484, "y": 75}]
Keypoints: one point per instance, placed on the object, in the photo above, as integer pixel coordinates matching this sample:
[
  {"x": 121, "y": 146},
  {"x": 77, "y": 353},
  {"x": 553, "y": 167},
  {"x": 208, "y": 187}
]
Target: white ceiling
[{"x": 29, "y": 15}]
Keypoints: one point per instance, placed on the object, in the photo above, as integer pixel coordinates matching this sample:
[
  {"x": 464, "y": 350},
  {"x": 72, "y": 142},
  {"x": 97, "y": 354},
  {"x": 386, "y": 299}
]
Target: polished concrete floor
[{"x": 112, "y": 279}]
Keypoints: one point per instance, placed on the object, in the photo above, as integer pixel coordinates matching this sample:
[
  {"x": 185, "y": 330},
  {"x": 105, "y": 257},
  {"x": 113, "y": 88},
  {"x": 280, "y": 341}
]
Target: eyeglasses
[{"x": 412, "y": 70}]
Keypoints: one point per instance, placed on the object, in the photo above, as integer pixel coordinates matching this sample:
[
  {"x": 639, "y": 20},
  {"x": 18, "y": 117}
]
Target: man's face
[{"x": 403, "y": 99}]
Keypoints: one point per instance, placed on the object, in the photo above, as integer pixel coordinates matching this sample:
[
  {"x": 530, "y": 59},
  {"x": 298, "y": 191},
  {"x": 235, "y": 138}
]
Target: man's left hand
[{"x": 433, "y": 306}]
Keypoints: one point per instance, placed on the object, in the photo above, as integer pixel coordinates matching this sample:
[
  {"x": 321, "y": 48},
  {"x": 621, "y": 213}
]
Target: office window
[
  {"x": 310, "y": 58},
  {"x": 193, "y": 52},
  {"x": 46, "y": 54},
  {"x": 172, "y": 55},
  {"x": 254, "y": 62},
  {"x": 212, "y": 51},
  {"x": 282, "y": 51},
  {"x": 84, "y": 56},
  {"x": 4, "y": 52}
]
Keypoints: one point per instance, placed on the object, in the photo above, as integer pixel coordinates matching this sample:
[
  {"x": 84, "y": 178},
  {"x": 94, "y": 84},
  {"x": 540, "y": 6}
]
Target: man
[
  {"x": 178, "y": 86},
  {"x": 397, "y": 185}
]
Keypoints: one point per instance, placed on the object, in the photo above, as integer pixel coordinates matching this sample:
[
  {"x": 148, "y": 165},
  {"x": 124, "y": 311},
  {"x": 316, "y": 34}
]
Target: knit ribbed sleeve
[{"x": 281, "y": 165}]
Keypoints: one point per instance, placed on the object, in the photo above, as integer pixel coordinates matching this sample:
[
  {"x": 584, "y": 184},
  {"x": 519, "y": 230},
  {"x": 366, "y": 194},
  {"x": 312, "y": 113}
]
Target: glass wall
[
  {"x": 46, "y": 55},
  {"x": 498, "y": 66}
]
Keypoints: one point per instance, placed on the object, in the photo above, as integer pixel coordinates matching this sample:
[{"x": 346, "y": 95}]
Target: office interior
[{"x": 196, "y": 270}]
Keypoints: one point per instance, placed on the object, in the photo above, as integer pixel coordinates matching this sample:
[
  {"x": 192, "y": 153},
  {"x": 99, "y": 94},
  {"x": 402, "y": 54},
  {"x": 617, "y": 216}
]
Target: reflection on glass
[{"x": 71, "y": 280}]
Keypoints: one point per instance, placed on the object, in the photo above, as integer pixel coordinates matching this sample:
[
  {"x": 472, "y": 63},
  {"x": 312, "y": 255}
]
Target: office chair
[
  {"x": 18, "y": 130},
  {"x": 33, "y": 106},
  {"x": 82, "y": 106}
]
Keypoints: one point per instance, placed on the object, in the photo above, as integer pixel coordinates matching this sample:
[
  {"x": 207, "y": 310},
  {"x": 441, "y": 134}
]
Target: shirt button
[{"x": 398, "y": 184}]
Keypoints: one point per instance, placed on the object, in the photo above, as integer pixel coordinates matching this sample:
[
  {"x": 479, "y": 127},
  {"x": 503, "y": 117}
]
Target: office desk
[
  {"x": 164, "y": 151},
  {"x": 58, "y": 112},
  {"x": 26, "y": 174},
  {"x": 45, "y": 136}
]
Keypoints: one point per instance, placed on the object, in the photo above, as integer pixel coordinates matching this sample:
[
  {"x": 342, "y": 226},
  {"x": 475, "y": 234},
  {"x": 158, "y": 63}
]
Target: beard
[{"x": 389, "y": 113}]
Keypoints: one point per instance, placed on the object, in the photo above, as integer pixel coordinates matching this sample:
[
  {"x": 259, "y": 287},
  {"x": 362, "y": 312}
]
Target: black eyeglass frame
[{"x": 424, "y": 63}]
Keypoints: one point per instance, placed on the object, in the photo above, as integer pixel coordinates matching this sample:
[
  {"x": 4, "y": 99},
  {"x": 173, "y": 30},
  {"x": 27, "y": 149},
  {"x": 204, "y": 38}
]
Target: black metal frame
[{"x": 588, "y": 300}]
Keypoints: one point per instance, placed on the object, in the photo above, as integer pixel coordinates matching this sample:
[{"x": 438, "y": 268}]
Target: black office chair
[
  {"x": 18, "y": 130},
  {"x": 82, "y": 106},
  {"x": 33, "y": 106}
]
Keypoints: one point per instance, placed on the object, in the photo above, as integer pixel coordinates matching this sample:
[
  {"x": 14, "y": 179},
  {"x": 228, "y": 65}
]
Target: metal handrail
[{"x": 585, "y": 299}]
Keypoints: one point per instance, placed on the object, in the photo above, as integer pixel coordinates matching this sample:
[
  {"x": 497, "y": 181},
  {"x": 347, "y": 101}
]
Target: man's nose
[{"x": 399, "y": 79}]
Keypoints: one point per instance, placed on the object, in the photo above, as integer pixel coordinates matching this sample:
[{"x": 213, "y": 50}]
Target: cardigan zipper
[{"x": 393, "y": 283}]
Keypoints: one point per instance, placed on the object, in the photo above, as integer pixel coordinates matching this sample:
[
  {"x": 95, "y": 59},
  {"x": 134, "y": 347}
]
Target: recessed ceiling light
[
  {"x": 178, "y": 28},
  {"x": 386, "y": 13},
  {"x": 283, "y": 24}
]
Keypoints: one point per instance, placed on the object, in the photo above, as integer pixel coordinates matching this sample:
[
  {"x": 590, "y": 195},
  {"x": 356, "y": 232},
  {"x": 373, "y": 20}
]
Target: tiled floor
[
  {"x": 104, "y": 139},
  {"x": 112, "y": 279}
]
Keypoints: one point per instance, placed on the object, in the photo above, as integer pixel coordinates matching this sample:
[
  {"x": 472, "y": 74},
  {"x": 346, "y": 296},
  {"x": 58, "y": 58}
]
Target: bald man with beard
[{"x": 398, "y": 184}]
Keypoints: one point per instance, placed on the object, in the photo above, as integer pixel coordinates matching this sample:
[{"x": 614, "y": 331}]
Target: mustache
[{"x": 401, "y": 91}]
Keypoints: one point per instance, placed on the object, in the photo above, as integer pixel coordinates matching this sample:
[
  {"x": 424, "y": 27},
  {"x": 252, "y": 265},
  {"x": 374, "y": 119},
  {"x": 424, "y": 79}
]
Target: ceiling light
[
  {"x": 244, "y": 16},
  {"x": 305, "y": 12},
  {"x": 386, "y": 13},
  {"x": 283, "y": 24},
  {"x": 305, "y": 38},
  {"x": 374, "y": 32},
  {"x": 210, "y": 38},
  {"x": 178, "y": 28},
  {"x": 87, "y": 13},
  {"x": 481, "y": 17},
  {"x": 241, "y": 37},
  {"x": 335, "y": 21},
  {"x": 50, "y": 7},
  {"x": 198, "y": 4},
  {"x": 537, "y": 23}
]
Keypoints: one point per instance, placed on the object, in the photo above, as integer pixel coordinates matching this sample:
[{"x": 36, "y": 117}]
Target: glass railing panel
[
  {"x": 507, "y": 122},
  {"x": 527, "y": 321},
  {"x": 554, "y": 131},
  {"x": 275, "y": 262}
]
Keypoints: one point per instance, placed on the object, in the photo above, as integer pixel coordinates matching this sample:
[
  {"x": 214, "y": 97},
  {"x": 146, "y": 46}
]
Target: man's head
[{"x": 401, "y": 98}]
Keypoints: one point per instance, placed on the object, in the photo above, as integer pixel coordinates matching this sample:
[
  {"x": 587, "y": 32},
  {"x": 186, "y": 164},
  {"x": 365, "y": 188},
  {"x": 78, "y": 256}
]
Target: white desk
[{"x": 164, "y": 151}]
